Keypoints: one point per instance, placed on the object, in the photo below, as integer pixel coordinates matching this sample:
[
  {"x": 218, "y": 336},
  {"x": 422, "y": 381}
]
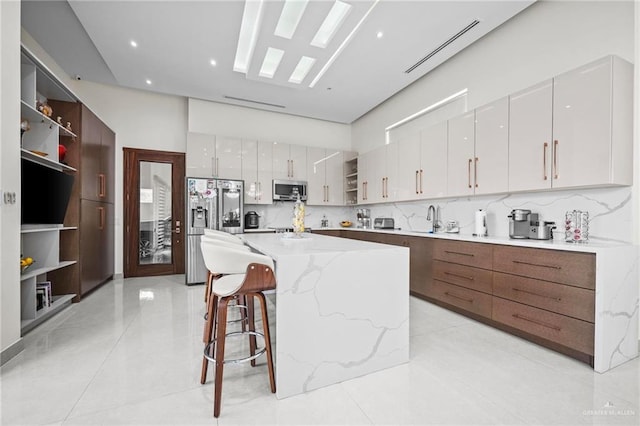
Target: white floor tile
[{"x": 131, "y": 352}]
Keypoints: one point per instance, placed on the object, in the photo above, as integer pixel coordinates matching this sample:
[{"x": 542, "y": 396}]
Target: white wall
[
  {"x": 9, "y": 176},
  {"x": 227, "y": 120},
  {"x": 548, "y": 38}
]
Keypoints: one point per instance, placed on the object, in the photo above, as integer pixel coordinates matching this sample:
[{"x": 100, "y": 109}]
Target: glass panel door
[{"x": 154, "y": 236}]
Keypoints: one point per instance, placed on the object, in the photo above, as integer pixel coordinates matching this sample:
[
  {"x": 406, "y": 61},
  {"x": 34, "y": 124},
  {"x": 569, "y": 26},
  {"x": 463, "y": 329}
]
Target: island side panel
[
  {"x": 616, "y": 327},
  {"x": 340, "y": 316}
]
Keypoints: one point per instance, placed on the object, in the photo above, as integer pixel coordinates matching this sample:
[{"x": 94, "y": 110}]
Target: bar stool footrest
[{"x": 259, "y": 352}]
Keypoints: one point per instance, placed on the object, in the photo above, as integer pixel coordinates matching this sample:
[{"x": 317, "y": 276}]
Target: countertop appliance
[
  {"x": 383, "y": 223},
  {"x": 524, "y": 224},
  {"x": 289, "y": 190},
  {"x": 452, "y": 227},
  {"x": 251, "y": 220},
  {"x": 364, "y": 219},
  {"x": 519, "y": 223},
  {"x": 210, "y": 204}
]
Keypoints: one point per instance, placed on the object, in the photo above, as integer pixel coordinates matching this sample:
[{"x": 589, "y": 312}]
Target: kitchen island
[{"x": 341, "y": 308}]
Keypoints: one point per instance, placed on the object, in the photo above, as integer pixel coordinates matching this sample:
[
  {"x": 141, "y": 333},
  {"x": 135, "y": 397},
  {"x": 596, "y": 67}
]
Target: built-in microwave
[{"x": 288, "y": 190}]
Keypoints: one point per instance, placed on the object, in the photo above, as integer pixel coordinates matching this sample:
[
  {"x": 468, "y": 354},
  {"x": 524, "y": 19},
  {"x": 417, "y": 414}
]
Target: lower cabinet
[
  {"x": 96, "y": 244},
  {"x": 546, "y": 296}
]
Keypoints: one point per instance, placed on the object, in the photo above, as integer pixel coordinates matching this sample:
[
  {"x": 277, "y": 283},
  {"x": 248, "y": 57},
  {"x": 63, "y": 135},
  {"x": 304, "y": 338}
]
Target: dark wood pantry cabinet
[{"x": 91, "y": 208}]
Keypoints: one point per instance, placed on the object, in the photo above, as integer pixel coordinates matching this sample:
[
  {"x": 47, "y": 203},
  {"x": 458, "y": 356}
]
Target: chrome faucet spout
[{"x": 433, "y": 217}]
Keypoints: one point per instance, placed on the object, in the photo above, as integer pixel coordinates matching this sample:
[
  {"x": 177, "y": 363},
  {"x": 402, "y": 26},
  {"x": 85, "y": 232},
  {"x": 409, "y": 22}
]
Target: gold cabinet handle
[
  {"x": 544, "y": 159},
  {"x": 544, "y": 324},
  {"x": 101, "y": 213},
  {"x": 455, "y": 296},
  {"x": 555, "y": 159},
  {"x": 475, "y": 172},
  {"x": 459, "y": 253},
  {"x": 541, "y": 265},
  {"x": 469, "y": 173},
  {"x": 557, "y": 299},
  {"x": 101, "y": 182},
  {"x": 459, "y": 276},
  {"x": 417, "y": 181},
  {"x": 421, "y": 181}
]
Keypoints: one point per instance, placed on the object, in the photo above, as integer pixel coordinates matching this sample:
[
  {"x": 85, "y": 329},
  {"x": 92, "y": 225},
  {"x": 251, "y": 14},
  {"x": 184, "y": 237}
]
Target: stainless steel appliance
[
  {"x": 383, "y": 223},
  {"x": 519, "y": 223},
  {"x": 289, "y": 190},
  {"x": 251, "y": 220},
  {"x": 210, "y": 204},
  {"x": 364, "y": 218},
  {"x": 524, "y": 224}
]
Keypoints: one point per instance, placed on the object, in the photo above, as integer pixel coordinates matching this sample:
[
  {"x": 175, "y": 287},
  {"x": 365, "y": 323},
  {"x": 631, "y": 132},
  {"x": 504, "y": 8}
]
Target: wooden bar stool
[
  {"x": 224, "y": 238},
  {"x": 245, "y": 274}
]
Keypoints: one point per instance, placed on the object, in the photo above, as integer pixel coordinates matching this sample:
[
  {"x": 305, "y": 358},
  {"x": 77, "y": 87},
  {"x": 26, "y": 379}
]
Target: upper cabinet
[
  {"x": 421, "y": 172},
  {"x": 461, "y": 155},
  {"x": 289, "y": 161},
  {"x": 257, "y": 171},
  {"x": 98, "y": 158},
  {"x": 378, "y": 175},
  {"x": 325, "y": 171},
  {"x": 213, "y": 156},
  {"x": 574, "y": 130},
  {"x": 490, "y": 163}
]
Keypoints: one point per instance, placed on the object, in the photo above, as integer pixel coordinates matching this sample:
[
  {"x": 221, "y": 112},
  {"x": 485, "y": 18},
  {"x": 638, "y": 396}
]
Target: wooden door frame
[{"x": 131, "y": 199}]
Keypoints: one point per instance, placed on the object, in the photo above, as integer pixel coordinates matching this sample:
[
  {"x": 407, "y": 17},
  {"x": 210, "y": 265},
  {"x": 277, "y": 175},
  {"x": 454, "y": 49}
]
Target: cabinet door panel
[
  {"x": 316, "y": 164},
  {"x": 334, "y": 177},
  {"x": 108, "y": 159},
  {"x": 461, "y": 297},
  {"x": 433, "y": 170},
  {"x": 582, "y": 126},
  {"x": 201, "y": 155},
  {"x": 491, "y": 171},
  {"x": 107, "y": 243},
  {"x": 228, "y": 157},
  {"x": 91, "y": 147},
  {"x": 460, "y": 155},
  {"x": 530, "y": 139},
  {"x": 91, "y": 269},
  {"x": 409, "y": 167},
  {"x": 281, "y": 164},
  {"x": 298, "y": 156},
  {"x": 265, "y": 167},
  {"x": 250, "y": 170}
]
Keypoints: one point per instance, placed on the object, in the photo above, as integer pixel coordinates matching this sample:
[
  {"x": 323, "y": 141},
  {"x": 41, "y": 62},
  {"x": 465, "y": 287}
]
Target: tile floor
[{"x": 130, "y": 354}]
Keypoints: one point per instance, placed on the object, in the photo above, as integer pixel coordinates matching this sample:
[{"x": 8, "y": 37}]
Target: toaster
[{"x": 383, "y": 223}]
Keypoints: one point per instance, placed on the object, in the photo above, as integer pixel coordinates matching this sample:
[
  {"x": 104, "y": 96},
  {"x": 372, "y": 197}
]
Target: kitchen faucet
[{"x": 433, "y": 218}]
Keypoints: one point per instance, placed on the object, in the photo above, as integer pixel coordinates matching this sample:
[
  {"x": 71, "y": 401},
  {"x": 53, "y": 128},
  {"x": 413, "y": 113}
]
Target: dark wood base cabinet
[{"x": 545, "y": 296}]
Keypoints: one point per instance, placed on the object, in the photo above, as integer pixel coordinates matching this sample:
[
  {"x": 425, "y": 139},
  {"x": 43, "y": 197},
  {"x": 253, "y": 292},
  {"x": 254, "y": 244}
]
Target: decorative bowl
[{"x": 346, "y": 223}]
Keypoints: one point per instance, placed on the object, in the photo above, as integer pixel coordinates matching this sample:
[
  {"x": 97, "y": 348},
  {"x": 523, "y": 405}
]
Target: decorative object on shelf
[
  {"x": 40, "y": 153},
  {"x": 24, "y": 126},
  {"x": 59, "y": 120},
  {"x": 69, "y": 126},
  {"x": 44, "y": 108},
  {"x": 298, "y": 216},
  {"x": 346, "y": 223},
  {"x": 25, "y": 262},
  {"x": 62, "y": 152},
  {"x": 576, "y": 226}
]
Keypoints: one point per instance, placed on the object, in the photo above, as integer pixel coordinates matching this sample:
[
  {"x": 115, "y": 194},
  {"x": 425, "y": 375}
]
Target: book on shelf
[{"x": 44, "y": 289}]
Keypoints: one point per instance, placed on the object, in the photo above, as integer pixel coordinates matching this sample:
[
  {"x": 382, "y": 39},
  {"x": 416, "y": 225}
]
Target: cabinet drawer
[
  {"x": 470, "y": 254},
  {"x": 576, "y": 269},
  {"x": 465, "y": 276},
  {"x": 562, "y": 299},
  {"x": 569, "y": 332},
  {"x": 469, "y": 300}
]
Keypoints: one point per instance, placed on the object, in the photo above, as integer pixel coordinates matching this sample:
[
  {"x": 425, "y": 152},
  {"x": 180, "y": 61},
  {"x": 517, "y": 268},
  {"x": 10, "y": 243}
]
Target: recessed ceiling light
[
  {"x": 249, "y": 29},
  {"x": 331, "y": 23},
  {"x": 148, "y": 82},
  {"x": 133, "y": 43},
  {"x": 271, "y": 62},
  {"x": 213, "y": 62},
  {"x": 302, "y": 69},
  {"x": 379, "y": 34},
  {"x": 290, "y": 16}
]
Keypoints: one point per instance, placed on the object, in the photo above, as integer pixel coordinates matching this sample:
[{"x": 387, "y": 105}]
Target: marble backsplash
[{"x": 610, "y": 212}]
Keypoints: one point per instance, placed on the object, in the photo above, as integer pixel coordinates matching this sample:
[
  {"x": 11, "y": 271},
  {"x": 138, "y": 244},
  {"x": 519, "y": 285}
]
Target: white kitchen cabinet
[
  {"x": 325, "y": 177},
  {"x": 530, "y": 137},
  {"x": 228, "y": 164},
  {"x": 201, "y": 155},
  {"x": 461, "y": 155},
  {"x": 213, "y": 156},
  {"x": 289, "y": 161},
  {"x": 378, "y": 175},
  {"x": 593, "y": 125},
  {"x": 257, "y": 171},
  {"x": 575, "y": 130},
  {"x": 421, "y": 172},
  {"x": 490, "y": 166}
]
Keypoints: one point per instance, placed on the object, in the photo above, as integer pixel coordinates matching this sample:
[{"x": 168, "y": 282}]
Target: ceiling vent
[
  {"x": 253, "y": 102},
  {"x": 442, "y": 46}
]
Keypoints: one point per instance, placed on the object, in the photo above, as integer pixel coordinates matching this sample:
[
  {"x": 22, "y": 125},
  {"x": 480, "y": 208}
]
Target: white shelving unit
[
  {"x": 351, "y": 181},
  {"x": 40, "y": 145}
]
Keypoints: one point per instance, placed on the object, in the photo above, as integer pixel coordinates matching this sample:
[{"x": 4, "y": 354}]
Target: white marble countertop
[
  {"x": 280, "y": 245},
  {"x": 593, "y": 246}
]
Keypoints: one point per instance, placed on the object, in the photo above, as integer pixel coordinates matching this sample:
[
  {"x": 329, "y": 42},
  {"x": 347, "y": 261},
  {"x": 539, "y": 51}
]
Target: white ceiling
[{"x": 177, "y": 40}]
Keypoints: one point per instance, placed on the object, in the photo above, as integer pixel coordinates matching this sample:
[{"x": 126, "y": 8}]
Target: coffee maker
[
  {"x": 524, "y": 224},
  {"x": 519, "y": 223},
  {"x": 364, "y": 219}
]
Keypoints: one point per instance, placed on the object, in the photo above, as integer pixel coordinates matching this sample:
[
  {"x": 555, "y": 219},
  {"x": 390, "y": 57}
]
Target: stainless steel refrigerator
[{"x": 213, "y": 204}]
